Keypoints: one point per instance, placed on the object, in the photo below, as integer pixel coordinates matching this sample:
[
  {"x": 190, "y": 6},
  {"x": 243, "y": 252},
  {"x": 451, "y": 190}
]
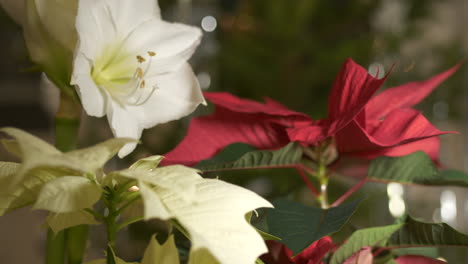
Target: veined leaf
[
  {"x": 415, "y": 168},
  {"x": 362, "y": 238},
  {"x": 68, "y": 194},
  {"x": 165, "y": 253},
  {"x": 147, "y": 163},
  {"x": 7, "y": 170},
  {"x": 240, "y": 156},
  {"x": 298, "y": 225},
  {"x": 420, "y": 234},
  {"x": 26, "y": 192},
  {"x": 215, "y": 219},
  {"x": 60, "y": 221}
]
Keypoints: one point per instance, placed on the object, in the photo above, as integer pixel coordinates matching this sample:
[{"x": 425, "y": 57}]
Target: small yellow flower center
[{"x": 122, "y": 77}]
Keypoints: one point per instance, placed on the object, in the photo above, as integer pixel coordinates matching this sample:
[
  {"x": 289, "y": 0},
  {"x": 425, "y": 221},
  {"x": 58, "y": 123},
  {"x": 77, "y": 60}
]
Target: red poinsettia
[
  {"x": 360, "y": 123},
  {"x": 279, "y": 254}
]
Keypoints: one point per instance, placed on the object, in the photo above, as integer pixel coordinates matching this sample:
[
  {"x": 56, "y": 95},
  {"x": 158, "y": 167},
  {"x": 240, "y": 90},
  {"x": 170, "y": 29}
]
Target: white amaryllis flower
[{"x": 132, "y": 66}]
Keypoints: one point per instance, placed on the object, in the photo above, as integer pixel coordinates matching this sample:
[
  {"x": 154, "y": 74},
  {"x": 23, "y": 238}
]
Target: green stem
[
  {"x": 129, "y": 222},
  {"x": 67, "y": 123},
  {"x": 323, "y": 178},
  {"x": 55, "y": 253},
  {"x": 111, "y": 226}
]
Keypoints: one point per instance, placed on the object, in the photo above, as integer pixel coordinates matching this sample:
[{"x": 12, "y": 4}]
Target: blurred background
[{"x": 289, "y": 50}]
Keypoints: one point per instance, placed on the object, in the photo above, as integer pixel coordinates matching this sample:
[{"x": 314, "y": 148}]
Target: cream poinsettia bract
[
  {"x": 132, "y": 66},
  {"x": 211, "y": 211}
]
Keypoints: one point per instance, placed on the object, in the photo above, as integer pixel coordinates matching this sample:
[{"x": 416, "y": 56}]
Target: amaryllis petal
[
  {"x": 132, "y": 66},
  {"x": 208, "y": 135},
  {"x": 351, "y": 91},
  {"x": 405, "y": 95},
  {"x": 401, "y": 126},
  {"x": 413, "y": 259}
]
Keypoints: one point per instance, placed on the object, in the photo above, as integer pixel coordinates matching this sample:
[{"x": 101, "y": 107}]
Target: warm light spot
[
  {"x": 134, "y": 189},
  {"x": 394, "y": 189},
  {"x": 209, "y": 23},
  {"x": 448, "y": 206},
  {"x": 397, "y": 207}
]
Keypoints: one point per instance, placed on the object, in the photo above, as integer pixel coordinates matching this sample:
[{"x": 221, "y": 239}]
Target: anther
[
  {"x": 140, "y": 59},
  {"x": 151, "y": 53},
  {"x": 142, "y": 84},
  {"x": 139, "y": 73}
]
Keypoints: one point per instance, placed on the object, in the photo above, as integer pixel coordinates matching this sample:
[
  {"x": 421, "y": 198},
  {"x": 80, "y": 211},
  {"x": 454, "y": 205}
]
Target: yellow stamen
[
  {"x": 140, "y": 59},
  {"x": 142, "y": 84},
  {"x": 152, "y": 53},
  {"x": 139, "y": 73}
]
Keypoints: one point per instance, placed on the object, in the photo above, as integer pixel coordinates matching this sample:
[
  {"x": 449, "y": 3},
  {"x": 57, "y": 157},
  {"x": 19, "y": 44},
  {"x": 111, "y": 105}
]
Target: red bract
[
  {"x": 313, "y": 254},
  {"x": 362, "y": 125}
]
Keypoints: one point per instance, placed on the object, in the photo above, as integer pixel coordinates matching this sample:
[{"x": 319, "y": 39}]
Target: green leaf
[
  {"x": 362, "y": 238},
  {"x": 165, "y": 253},
  {"x": 60, "y": 221},
  {"x": 415, "y": 168},
  {"x": 420, "y": 234},
  {"x": 264, "y": 235},
  {"x": 230, "y": 153},
  {"x": 420, "y": 251},
  {"x": 298, "y": 225},
  {"x": 67, "y": 194},
  {"x": 239, "y": 156}
]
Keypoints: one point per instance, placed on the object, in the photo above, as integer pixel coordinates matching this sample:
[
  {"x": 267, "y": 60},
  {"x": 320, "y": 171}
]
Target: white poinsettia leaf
[
  {"x": 60, "y": 221},
  {"x": 147, "y": 163},
  {"x": 153, "y": 206},
  {"x": 12, "y": 147},
  {"x": 94, "y": 158},
  {"x": 7, "y": 171},
  {"x": 215, "y": 219},
  {"x": 166, "y": 253},
  {"x": 67, "y": 194},
  {"x": 177, "y": 178},
  {"x": 202, "y": 256},
  {"x": 26, "y": 192}
]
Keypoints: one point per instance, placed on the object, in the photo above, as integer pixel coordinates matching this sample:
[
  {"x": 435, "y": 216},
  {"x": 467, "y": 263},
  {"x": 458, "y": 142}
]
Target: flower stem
[
  {"x": 111, "y": 223},
  {"x": 349, "y": 192},
  {"x": 67, "y": 122},
  {"x": 323, "y": 177}
]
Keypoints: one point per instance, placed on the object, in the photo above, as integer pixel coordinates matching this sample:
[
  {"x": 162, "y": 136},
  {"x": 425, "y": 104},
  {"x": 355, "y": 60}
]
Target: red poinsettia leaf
[
  {"x": 208, "y": 135},
  {"x": 400, "y": 127},
  {"x": 236, "y": 104},
  {"x": 351, "y": 91},
  {"x": 430, "y": 146},
  {"x": 314, "y": 253},
  {"x": 278, "y": 253},
  {"x": 309, "y": 134},
  {"x": 413, "y": 259},
  {"x": 364, "y": 256},
  {"x": 405, "y": 95}
]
